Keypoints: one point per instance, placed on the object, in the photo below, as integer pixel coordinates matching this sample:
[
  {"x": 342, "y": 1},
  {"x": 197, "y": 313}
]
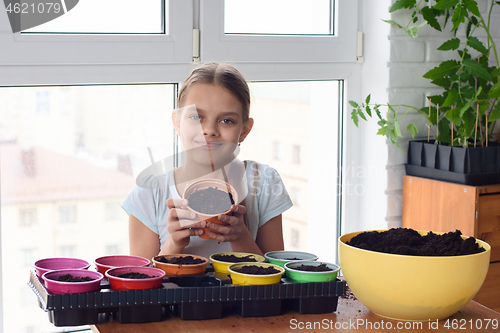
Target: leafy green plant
[{"x": 468, "y": 107}]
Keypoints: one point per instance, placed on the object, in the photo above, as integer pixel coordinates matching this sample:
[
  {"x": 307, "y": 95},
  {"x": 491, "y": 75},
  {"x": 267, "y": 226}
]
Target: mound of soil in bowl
[
  {"x": 210, "y": 201},
  {"x": 407, "y": 241},
  {"x": 187, "y": 260},
  {"x": 71, "y": 278},
  {"x": 233, "y": 258},
  {"x": 133, "y": 275},
  {"x": 311, "y": 268},
  {"x": 256, "y": 270},
  {"x": 290, "y": 258}
]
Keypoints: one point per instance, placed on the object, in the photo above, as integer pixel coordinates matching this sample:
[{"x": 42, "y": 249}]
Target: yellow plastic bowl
[
  {"x": 222, "y": 266},
  {"x": 412, "y": 288},
  {"x": 251, "y": 279}
]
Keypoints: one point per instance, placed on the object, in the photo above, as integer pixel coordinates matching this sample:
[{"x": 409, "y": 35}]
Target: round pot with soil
[
  {"x": 282, "y": 257},
  {"x": 70, "y": 281},
  {"x": 221, "y": 261},
  {"x": 208, "y": 198},
  {"x": 51, "y": 264},
  {"x": 411, "y": 287},
  {"x": 134, "y": 278},
  {"x": 181, "y": 264},
  {"x": 121, "y": 260},
  {"x": 311, "y": 271},
  {"x": 255, "y": 273}
]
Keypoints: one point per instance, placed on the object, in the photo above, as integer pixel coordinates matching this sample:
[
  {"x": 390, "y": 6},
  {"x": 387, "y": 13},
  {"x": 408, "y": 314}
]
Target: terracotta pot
[{"x": 204, "y": 184}]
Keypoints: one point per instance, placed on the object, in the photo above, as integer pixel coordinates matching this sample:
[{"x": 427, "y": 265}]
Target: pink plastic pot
[
  {"x": 60, "y": 287},
  {"x": 119, "y": 283},
  {"x": 51, "y": 264},
  {"x": 107, "y": 262}
]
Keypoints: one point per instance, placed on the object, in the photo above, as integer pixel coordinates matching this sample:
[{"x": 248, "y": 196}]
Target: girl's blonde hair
[{"x": 224, "y": 75}]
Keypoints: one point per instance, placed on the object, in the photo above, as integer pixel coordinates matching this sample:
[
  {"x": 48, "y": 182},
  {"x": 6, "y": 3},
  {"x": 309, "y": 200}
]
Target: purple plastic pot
[
  {"x": 60, "y": 287},
  {"x": 51, "y": 264}
]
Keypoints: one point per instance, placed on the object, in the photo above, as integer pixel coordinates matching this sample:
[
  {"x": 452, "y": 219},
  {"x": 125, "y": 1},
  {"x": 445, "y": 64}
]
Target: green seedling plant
[{"x": 468, "y": 107}]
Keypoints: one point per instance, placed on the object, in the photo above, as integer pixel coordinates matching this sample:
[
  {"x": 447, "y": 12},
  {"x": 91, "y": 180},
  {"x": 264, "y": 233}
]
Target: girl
[{"x": 212, "y": 120}]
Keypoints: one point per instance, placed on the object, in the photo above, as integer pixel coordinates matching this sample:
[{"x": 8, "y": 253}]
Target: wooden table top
[{"x": 351, "y": 316}]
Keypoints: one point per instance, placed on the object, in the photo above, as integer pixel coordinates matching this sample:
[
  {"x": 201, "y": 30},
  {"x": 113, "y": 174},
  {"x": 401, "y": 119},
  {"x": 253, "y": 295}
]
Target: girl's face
[{"x": 210, "y": 124}]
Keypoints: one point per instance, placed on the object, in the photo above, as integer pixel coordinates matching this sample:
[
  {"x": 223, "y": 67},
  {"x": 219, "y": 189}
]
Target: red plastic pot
[
  {"x": 107, "y": 262},
  {"x": 120, "y": 283}
]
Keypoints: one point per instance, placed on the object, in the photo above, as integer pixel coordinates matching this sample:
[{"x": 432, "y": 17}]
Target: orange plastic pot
[
  {"x": 204, "y": 184},
  {"x": 181, "y": 269}
]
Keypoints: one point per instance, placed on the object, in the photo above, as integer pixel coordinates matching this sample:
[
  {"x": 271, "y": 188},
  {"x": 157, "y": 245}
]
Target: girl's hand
[
  {"x": 179, "y": 236},
  {"x": 235, "y": 230}
]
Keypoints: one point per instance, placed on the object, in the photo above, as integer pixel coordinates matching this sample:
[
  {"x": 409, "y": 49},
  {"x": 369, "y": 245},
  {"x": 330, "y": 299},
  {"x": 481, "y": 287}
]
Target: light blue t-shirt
[{"x": 267, "y": 198}]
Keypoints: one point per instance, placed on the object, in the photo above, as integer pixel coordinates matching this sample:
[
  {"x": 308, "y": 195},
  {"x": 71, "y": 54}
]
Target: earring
[{"x": 239, "y": 144}]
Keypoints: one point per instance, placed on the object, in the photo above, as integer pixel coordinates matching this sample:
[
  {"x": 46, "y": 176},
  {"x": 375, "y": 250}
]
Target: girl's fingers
[
  {"x": 177, "y": 203},
  {"x": 238, "y": 210}
]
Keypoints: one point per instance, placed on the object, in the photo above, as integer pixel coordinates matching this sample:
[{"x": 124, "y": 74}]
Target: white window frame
[
  {"x": 31, "y": 48},
  {"x": 218, "y": 46}
]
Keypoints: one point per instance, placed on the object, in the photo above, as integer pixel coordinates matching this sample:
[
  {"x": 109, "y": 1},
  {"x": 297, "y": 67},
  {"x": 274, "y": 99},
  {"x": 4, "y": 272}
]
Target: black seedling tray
[{"x": 207, "y": 296}]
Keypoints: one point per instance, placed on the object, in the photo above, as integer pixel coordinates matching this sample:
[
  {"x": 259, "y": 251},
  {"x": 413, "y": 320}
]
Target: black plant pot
[{"x": 469, "y": 166}]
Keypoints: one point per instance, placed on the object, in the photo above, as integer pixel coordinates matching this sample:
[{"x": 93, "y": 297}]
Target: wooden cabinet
[{"x": 474, "y": 210}]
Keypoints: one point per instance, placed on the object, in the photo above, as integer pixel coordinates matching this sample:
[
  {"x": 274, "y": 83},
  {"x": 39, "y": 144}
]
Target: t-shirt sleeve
[
  {"x": 142, "y": 203},
  {"x": 274, "y": 198}
]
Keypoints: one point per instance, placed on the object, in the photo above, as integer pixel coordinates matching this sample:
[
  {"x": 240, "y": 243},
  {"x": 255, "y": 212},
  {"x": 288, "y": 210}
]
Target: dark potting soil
[
  {"x": 71, "y": 278},
  {"x": 233, "y": 258},
  {"x": 133, "y": 275},
  {"x": 256, "y": 270},
  {"x": 210, "y": 201},
  {"x": 311, "y": 268},
  {"x": 407, "y": 241},
  {"x": 187, "y": 260},
  {"x": 292, "y": 259}
]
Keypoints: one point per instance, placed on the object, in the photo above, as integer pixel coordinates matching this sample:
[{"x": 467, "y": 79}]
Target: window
[
  {"x": 296, "y": 154},
  {"x": 67, "y": 214},
  {"x": 332, "y": 36},
  {"x": 64, "y": 170},
  {"x": 27, "y": 217},
  {"x": 113, "y": 211},
  {"x": 28, "y": 256},
  {"x": 110, "y": 17},
  {"x": 295, "y": 238},
  {"x": 296, "y": 196},
  {"x": 278, "y": 17},
  {"x": 277, "y": 150},
  {"x": 68, "y": 251},
  {"x": 112, "y": 41},
  {"x": 113, "y": 249}
]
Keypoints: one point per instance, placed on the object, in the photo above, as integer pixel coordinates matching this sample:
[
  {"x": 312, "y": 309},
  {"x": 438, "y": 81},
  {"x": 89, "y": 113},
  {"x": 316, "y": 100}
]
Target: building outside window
[
  {"x": 113, "y": 211},
  {"x": 28, "y": 256},
  {"x": 295, "y": 238},
  {"x": 67, "y": 214},
  {"x": 277, "y": 150},
  {"x": 296, "y": 154},
  {"x": 68, "y": 251},
  {"x": 27, "y": 217}
]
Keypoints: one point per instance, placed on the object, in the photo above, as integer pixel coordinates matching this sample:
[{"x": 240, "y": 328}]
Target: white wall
[{"x": 370, "y": 172}]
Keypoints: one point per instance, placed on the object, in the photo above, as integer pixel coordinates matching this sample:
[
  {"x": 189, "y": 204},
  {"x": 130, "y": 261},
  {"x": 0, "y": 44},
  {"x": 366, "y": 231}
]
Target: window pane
[
  {"x": 278, "y": 17},
  {"x": 292, "y": 120},
  {"x": 109, "y": 17},
  {"x": 63, "y": 173}
]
